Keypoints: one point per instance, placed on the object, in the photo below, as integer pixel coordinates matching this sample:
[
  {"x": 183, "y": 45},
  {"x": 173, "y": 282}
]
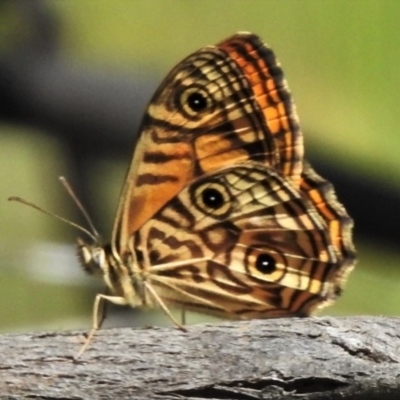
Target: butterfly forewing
[
  {"x": 263, "y": 71},
  {"x": 221, "y": 105}
]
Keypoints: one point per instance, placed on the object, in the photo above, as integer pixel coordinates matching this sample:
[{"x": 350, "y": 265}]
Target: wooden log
[{"x": 312, "y": 358}]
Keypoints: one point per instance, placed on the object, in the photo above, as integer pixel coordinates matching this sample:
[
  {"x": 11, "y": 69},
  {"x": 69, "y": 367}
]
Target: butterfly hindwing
[
  {"x": 260, "y": 248},
  {"x": 321, "y": 194}
]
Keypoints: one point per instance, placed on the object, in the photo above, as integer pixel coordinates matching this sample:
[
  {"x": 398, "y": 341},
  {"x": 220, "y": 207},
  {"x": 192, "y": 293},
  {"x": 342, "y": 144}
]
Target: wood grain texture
[{"x": 314, "y": 358}]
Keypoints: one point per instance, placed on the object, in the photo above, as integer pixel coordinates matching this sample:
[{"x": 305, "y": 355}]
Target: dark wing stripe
[
  {"x": 151, "y": 179},
  {"x": 158, "y": 157}
]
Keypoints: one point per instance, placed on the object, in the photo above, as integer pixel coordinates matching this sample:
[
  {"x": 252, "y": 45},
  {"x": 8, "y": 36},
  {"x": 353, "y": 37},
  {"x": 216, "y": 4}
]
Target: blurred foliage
[{"x": 341, "y": 60}]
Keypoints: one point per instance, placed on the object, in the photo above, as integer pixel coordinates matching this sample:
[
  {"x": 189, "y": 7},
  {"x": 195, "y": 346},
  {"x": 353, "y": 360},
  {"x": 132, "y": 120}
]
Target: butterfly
[{"x": 220, "y": 213}]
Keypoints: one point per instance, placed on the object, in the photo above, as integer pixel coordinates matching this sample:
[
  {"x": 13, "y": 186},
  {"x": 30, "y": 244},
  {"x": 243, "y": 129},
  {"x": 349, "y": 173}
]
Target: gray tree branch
[{"x": 314, "y": 358}]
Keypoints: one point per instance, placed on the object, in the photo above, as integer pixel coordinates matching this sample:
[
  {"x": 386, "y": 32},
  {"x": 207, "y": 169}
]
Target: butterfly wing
[
  {"x": 240, "y": 242},
  {"x": 222, "y": 105},
  {"x": 229, "y": 105},
  {"x": 264, "y": 74},
  {"x": 321, "y": 194}
]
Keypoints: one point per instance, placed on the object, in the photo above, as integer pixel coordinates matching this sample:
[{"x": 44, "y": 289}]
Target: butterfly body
[{"x": 220, "y": 213}]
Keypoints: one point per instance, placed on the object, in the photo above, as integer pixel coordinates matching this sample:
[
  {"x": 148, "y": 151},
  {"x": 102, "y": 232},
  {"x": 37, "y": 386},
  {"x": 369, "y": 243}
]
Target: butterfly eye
[
  {"x": 213, "y": 199},
  {"x": 265, "y": 263},
  {"x": 92, "y": 258},
  {"x": 193, "y": 101}
]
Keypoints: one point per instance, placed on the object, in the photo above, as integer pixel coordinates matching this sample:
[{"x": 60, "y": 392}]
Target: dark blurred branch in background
[{"x": 96, "y": 114}]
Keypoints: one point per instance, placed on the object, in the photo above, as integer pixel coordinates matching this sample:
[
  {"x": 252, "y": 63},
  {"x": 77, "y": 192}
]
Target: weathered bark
[{"x": 315, "y": 358}]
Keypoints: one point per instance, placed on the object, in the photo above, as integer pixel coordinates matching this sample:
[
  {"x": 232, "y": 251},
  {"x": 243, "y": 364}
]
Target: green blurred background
[{"x": 341, "y": 59}]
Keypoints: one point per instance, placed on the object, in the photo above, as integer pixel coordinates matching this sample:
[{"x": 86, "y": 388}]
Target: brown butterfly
[{"x": 220, "y": 213}]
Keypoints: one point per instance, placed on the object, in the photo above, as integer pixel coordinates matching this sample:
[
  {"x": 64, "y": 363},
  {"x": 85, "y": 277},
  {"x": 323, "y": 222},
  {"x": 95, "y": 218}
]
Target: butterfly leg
[
  {"x": 102, "y": 314},
  {"x": 183, "y": 316},
  {"x": 164, "y": 307},
  {"x": 98, "y": 317}
]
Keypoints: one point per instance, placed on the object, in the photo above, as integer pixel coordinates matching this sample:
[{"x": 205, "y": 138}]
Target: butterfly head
[
  {"x": 98, "y": 260},
  {"x": 92, "y": 258}
]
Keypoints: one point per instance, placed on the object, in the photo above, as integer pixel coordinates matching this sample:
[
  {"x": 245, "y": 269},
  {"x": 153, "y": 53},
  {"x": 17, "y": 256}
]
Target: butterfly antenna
[
  {"x": 80, "y": 206},
  {"x": 67, "y": 221}
]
